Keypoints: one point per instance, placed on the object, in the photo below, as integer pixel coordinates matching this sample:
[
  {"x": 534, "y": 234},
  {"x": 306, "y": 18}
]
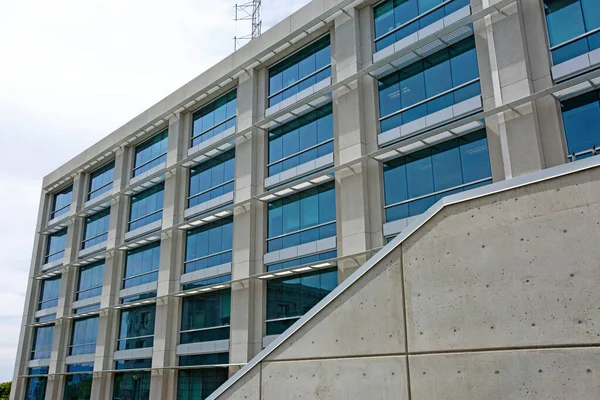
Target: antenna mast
[{"x": 249, "y": 11}]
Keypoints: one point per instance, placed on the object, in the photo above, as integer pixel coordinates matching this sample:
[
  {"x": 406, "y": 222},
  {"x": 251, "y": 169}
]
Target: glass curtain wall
[
  {"x": 290, "y": 298},
  {"x": 302, "y": 217},
  {"x": 397, "y": 19},
  {"x": 440, "y": 80},
  {"x": 573, "y": 27},
  {"x": 415, "y": 182}
]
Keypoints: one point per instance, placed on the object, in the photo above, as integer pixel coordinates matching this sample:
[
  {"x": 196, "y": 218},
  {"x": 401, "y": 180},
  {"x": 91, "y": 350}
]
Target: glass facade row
[
  {"x": 211, "y": 179},
  {"x": 101, "y": 180},
  {"x": 49, "y": 293},
  {"x": 440, "y": 80},
  {"x": 214, "y": 118},
  {"x": 209, "y": 245},
  {"x": 397, "y": 19},
  {"x": 150, "y": 154},
  {"x": 573, "y": 27},
  {"x": 302, "y": 217},
  {"x": 300, "y": 141},
  {"x": 96, "y": 229},
  {"x": 300, "y": 71},
  {"x": 414, "y": 183}
]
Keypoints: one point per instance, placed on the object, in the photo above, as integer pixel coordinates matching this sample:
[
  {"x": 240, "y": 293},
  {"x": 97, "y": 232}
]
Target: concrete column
[
  {"x": 68, "y": 280},
  {"x": 31, "y": 301},
  {"x": 166, "y": 328},
  {"x": 246, "y": 296},
  {"x": 520, "y": 140},
  {"x": 108, "y": 323},
  {"x": 352, "y": 199}
]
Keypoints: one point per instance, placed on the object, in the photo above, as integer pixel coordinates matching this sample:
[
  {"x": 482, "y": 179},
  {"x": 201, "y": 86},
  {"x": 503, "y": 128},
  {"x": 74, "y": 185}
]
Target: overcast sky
[{"x": 73, "y": 71}]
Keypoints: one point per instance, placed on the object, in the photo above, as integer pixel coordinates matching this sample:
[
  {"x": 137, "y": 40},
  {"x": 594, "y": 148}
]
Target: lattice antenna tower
[{"x": 249, "y": 11}]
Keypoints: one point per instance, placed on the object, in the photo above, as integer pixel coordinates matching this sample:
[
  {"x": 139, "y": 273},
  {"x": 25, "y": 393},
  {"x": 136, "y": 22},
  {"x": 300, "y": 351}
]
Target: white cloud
[{"x": 73, "y": 71}]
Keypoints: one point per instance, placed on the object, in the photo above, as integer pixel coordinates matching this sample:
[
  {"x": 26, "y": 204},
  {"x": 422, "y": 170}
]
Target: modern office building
[{"x": 171, "y": 253}]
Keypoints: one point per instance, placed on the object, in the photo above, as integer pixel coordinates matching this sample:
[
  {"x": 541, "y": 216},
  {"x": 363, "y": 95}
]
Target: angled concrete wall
[{"x": 449, "y": 313}]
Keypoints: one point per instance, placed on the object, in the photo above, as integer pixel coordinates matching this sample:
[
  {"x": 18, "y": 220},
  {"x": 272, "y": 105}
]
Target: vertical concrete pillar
[
  {"x": 163, "y": 381},
  {"x": 351, "y": 189},
  {"x": 108, "y": 322},
  {"x": 62, "y": 329},
  {"x": 31, "y": 301},
  {"x": 520, "y": 141},
  {"x": 246, "y": 296}
]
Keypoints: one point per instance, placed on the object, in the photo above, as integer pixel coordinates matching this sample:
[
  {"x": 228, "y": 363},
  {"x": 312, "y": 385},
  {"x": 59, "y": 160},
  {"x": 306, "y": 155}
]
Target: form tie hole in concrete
[
  {"x": 532, "y": 324},
  {"x": 540, "y": 371}
]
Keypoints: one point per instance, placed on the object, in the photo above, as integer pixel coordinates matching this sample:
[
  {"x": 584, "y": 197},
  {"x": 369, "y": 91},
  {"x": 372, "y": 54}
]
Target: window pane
[
  {"x": 441, "y": 168},
  {"x": 150, "y": 154},
  {"x": 446, "y": 166},
  {"x": 591, "y": 14},
  {"x": 296, "y": 67},
  {"x": 581, "y": 115},
  {"x": 565, "y": 20}
]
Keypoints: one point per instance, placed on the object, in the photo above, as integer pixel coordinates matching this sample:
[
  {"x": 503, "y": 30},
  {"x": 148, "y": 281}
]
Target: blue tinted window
[
  {"x": 101, "y": 180},
  {"x": 302, "y": 217},
  {"x": 568, "y": 19},
  {"x": 580, "y": 116},
  {"x": 411, "y": 181},
  {"x": 81, "y": 310},
  {"x": 138, "y": 297},
  {"x": 290, "y": 298},
  {"x": 212, "y": 178},
  {"x": 214, "y": 118},
  {"x": 299, "y": 71},
  {"x": 207, "y": 282},
  {"x": 302, "y": 140},
  {"x": 209, "y": 245},
  {"x": 36, "y": 388},
  {"x": 83, "y": 339},
  {"x": 55, "y": 247},
  {"x": 46, "y": 318},
  {"x": 50, "y": 292},
  {"x": 206, "y": 317},
  {"x": 151, "y": 153},
  {"x": 146, "y": 207},
  {"x": 204, "y": 359},
  {"x": 79, "y": 386},
  {"x": 96, "y": 229},
  {"x": 438, "y": 73},
  {"x": 200, "y": 383},
  {"x": 143, "y": 363},
  {"x": 42, "y": 342},
  {"x": 90, "y": 282},
  {"x": 132, "y": 385},
  {"x": 137, "y": 328},
  {"x": 61, "y": 202},
  {"x": 314, "y": 258},
  {"x": 396, "y": 19},
  {"x": 141, "y": 265}
]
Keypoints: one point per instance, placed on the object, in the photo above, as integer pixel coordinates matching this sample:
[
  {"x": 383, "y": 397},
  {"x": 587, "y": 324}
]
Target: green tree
[{"x": 5, "y": 390}]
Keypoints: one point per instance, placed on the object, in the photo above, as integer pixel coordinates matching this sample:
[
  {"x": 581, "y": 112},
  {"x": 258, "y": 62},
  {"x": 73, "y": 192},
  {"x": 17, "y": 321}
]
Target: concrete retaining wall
[{"x": 492, "y": 298}]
